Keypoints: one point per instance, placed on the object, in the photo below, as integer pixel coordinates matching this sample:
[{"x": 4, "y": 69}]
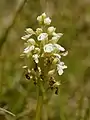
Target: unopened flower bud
[
  {"x": 47, "y": 21},
  {"x": 51, "y": 72},
  {"x": 39, "y": 31},
  {"x": 31, "y": 41},
  {"x": 30, "y": 31},
  {"x": 51, "y": 30},
  {"x": 39, "y": 19},
  {"x": 44, "y": 15}
]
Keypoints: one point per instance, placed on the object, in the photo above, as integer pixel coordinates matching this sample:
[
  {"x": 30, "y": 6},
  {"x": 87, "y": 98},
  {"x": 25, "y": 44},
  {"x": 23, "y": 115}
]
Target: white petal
[
  {"x": 56, "y": 36},
  {"x": 42, "y": 36},
  {"x": 31, "y": 41},
  {"x": 51, "y": 29},
  {"x": 65, "y": 53},
  {"x": 59, "y": 69},
  {"x": 59, "y": 47},
  {"x": 44, "y": 15},
  {"x": 30, "y": 31},
  {"x": 25, "y": 37},
  {"x": 47, "y": 21},
  {"x": 39, "y": 19},
  {"x": 48, "y": 48},
  {"x": 36, "y": 56},
  {"x": 29, "y": 49}
]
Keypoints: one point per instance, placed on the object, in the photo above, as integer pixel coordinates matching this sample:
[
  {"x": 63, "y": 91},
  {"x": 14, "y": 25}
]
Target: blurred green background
[{"x": 71, "y": 17}]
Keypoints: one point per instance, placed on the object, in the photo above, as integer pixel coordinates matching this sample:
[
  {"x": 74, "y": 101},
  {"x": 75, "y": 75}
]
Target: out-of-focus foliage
[{"x": 71, "y": 17}]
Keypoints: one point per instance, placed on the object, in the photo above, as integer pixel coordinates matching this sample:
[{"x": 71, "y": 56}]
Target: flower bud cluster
[{"x": 41, "y": 46}]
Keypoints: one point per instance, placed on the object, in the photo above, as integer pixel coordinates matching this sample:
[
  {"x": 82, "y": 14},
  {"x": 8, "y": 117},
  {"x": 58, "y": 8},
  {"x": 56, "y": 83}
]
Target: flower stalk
[{"x": 39, "y": 102}]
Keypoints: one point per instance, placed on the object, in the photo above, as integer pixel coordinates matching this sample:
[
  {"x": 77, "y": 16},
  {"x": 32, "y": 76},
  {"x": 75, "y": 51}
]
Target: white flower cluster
[
  {"x": 49, "y": 38},
  {"x": 42, "y": 42}
]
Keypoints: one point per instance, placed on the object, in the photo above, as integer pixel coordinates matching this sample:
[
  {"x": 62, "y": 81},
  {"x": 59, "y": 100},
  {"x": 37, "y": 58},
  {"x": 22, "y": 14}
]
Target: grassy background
[{"x": 71, "y": 17}]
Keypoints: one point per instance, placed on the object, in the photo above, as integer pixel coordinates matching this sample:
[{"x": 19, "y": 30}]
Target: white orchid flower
[
  {"x": 42, "y": 36},
  {"x": 60, "y": 68},
  {"x": 29, "y": 49},
  {"x": 26, "y": 37}
]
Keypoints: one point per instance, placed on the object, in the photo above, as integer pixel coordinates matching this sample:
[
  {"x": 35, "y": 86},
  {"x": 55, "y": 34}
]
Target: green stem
[{"x": 39, "y": 102}]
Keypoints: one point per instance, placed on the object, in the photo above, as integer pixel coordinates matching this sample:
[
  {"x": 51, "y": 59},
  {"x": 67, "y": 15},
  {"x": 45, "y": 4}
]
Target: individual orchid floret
[
  {"x": 26, "y": 37},
  {"x": 59, "y": 47},
  {"x": 35, "y": 57},
  {"x": 39, "y": 31},
  {"x": 43, "y": 15},
  {"x": 41, "y": 18},
  {"x": 65, "y": 53},
  {"x": 30, "y": 31},
  {"x": 47, "y": 21},
  {"x": 57, "y": 34},
  {"x": 53, "y": 47},
  {"x": 48, "y": 48},
  {"x": 56, "y": 37},
  {"x": 51, "y": 30},
  {"x": 28, "y": 49},
  {"x": 42, "y": 36},
  {"x": 60, "y": 68},
  {"x": 31, "y": 41}
]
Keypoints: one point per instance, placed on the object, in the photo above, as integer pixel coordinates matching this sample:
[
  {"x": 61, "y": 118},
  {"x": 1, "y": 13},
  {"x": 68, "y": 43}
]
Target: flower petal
[
  {"x": 47, "y": 21},
  {"x": 59, "y": 69},
  {"x": 36, "y": 56},
  {"x": 42, "y": 36},
  {"x": 29, "y": 49},
  {"x": 25, "y": 37},
  {"x": 48, "y": 48},
  {"x": 59, "y": 47}
]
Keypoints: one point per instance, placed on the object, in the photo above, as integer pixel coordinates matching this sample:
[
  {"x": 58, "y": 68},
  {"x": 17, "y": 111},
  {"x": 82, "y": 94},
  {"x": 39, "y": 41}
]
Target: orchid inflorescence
[{"x": 42, "y": 49}]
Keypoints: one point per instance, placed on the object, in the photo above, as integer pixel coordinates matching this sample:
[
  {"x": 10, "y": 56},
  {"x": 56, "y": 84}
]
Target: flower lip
[{"x": 60, "y": 68}]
